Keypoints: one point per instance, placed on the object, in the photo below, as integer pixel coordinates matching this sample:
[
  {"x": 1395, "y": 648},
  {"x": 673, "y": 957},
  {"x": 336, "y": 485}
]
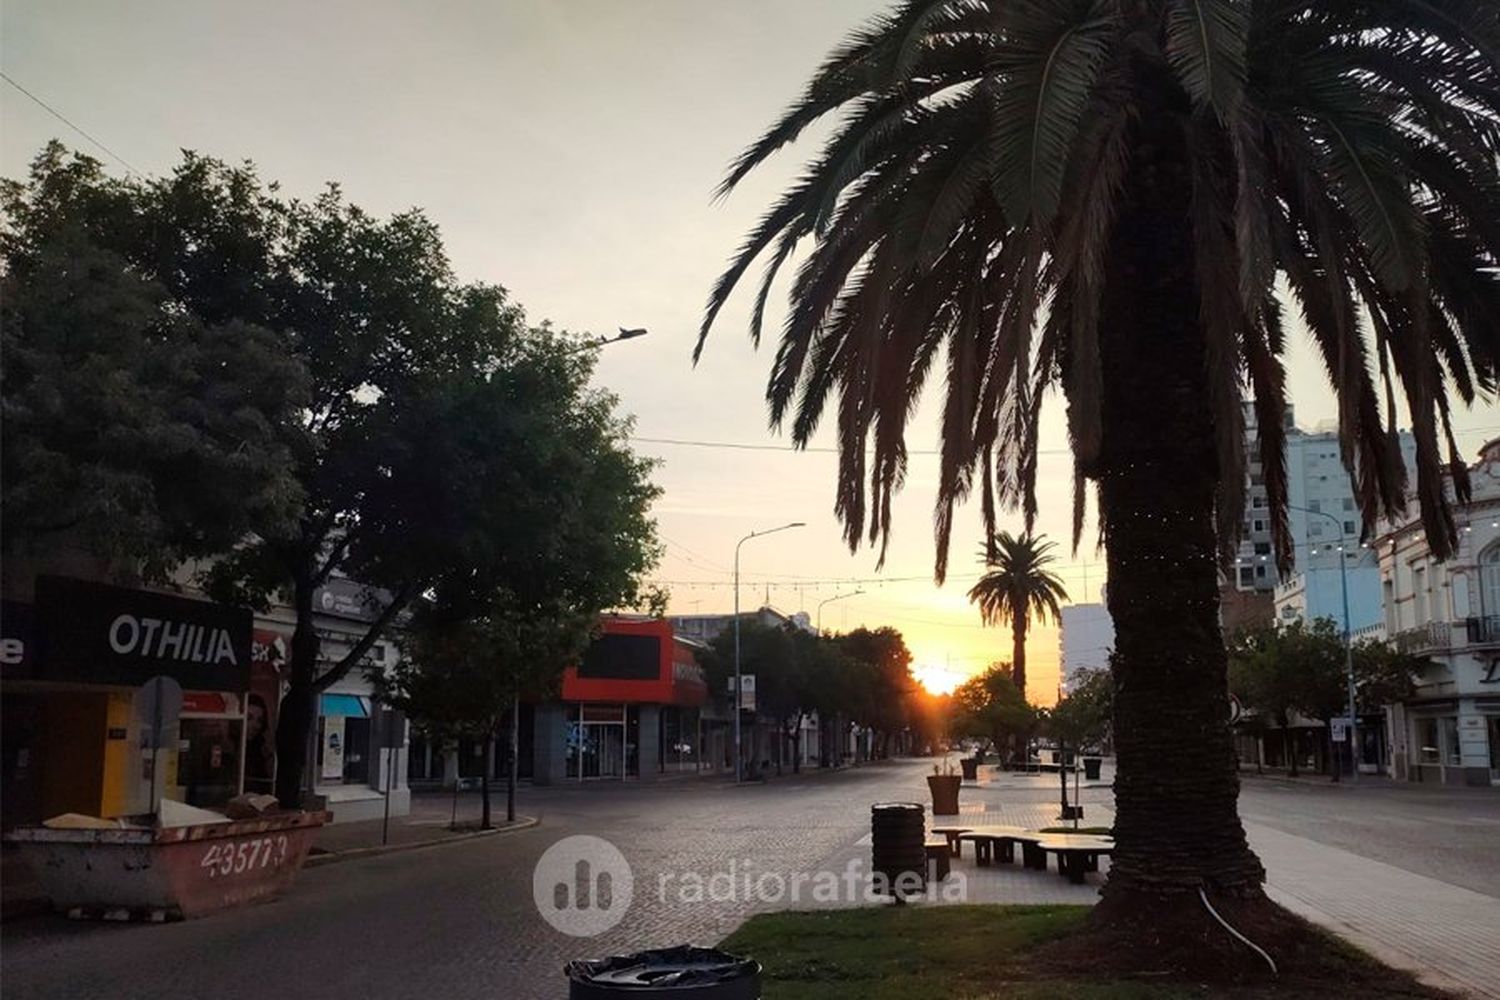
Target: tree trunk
[
  {"x": 484, "y": 782},
  {"x": 513, "y": 759},
  {"x": 299, "y": 708},
  {"x": 1177, "y": 827},
  {"x": 1018, "y": 651},
  {"x": 1062, "y": 774}
]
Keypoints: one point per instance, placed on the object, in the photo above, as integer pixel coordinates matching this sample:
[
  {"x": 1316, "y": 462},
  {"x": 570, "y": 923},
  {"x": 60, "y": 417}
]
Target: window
[
  {"x": 1316, "y": 506},
  {"x": 1247, "y": 576},
  {"x": 1419, "y": 588},
  {"x": 1262, "y": 548},
  {"x": 1260, "y": 525},
  {"x": 1489, "y": 580},
  {"x": 1348, "y": 503},
  {"x": 1315, "y": 528},
  {"x": 1348, "y": 527},
  {"x": 1260, "y": 572}
]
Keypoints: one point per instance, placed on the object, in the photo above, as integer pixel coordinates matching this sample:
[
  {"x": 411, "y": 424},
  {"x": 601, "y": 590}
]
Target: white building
[
  {"x": 1449, "y": 733},
  {"x": 1324, "y": 522},
  {"x": 1087, "y": 639},
  {"x": 707, "y": 628}
]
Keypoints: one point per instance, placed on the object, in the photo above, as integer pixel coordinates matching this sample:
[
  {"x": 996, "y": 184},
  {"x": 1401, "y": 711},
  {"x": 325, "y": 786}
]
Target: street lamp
[
  {"x": 1348, "y": 636},
  {"x": 739, "y": 764},
  {"x": 624, "y": 334},
  {"x": 835, "y": 597}
]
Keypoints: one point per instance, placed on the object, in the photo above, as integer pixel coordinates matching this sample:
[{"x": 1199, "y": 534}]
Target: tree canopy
[{"x": 137, "y": 425}]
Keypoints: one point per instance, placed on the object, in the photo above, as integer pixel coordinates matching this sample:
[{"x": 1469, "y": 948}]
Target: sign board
[
  {"x": 333, "y": 746},
  {"x": 747, "y": 692},
  {"x": 1236, "y": 709},
  {"x": 99, "y": 634},
  {"x": 392, "y": 728},
  {"x": 158, "y": 704},
  {"x": 346, "y": 599},
  {"x": 1338, "y": 730}
]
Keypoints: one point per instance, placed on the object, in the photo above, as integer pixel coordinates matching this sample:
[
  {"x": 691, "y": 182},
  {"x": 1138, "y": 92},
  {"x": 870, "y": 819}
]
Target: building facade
[
  {"x": 1449, "y": 612},
  {"x": 1086, "y": 640}
]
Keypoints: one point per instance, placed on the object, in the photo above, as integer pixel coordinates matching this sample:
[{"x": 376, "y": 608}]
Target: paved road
[
  {"x": 459, "y": 920},
  {"x": 1450, "y": 834}
]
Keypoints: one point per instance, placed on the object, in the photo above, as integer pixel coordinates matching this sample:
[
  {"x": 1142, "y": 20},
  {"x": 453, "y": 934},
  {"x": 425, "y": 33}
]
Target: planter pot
[
  {"x": 167, "y": 874},
  {"x": 1091, "y": 766},
  {"x": 970, "y": 767},
  {"x": 944, "y": 793}
]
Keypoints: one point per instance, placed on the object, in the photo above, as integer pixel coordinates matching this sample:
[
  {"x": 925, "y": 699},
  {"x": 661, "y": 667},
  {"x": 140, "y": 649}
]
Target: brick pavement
[{"x": 460, "y": 922}]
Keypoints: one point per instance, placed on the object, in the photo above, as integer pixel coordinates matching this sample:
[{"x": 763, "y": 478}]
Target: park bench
[
  {"x": 1077, "y": 853},
  {"x": 951, "y": 832},
  {"x": 990, "y": 840},
  {"x": 938, "y": 857}
]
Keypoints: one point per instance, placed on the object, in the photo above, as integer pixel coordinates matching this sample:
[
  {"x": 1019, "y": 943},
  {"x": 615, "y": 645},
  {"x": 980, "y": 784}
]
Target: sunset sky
[{"x": 568, "y": 149}]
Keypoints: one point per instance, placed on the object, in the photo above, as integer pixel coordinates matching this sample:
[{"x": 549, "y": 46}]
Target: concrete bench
[
  {"x": 938, "y": 857},
  {"x": 1077, "y": 854}
]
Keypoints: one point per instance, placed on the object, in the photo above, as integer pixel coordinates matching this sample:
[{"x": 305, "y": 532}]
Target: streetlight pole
[
  {"x": 835, "y": 597},
  {"x": 624, "y": 334},
  {"x": 739, "y": 764},
  {"x": 1348, "y": 640}
]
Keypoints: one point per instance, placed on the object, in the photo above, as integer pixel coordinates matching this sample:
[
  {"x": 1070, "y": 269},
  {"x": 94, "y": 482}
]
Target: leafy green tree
[
  {"x": 1281, "y": 670},
  {"x": 135, "y": 427},
  {"x": 1080, "y": 720},
  {"x": 1150, "y": 173},
  {"x": 991, "y": 707},
  {"x": 1016, "y": 587},
  {"x": 462, "y": 675},
  {"x": 880, "y": 664},
  {"x": 1384, "y": 675},
  {"x": 428, "y": 404}
]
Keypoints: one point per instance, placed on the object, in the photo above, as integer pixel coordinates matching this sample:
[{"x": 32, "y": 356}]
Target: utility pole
[{"x": 739, "y": 764}]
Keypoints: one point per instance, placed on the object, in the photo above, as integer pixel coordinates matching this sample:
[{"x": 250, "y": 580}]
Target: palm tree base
[{"x": 1173, "y": 936}]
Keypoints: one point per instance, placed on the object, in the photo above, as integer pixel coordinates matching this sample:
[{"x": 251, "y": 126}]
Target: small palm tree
[{"x": 1017, "y": 587}]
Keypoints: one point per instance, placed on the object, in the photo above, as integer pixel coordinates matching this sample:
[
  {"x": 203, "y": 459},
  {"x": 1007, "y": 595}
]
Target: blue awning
[{"x": 345, "y": 704}]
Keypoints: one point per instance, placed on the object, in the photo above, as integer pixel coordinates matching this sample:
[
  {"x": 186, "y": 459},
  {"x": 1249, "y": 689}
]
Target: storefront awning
[{"x": 345, "y": 704}]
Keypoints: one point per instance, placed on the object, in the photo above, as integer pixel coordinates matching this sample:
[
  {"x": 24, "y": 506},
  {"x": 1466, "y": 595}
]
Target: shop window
[
  {"x": 1429, "y": 748},
  {"x": 1448, "y": 728}
]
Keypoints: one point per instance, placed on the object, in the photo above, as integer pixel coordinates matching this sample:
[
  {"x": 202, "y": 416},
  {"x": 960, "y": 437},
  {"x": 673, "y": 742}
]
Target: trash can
[
  {"x": 897, "y": 833},
  {"x": 1091, "y": 766},
  {"x": 683, "y": 972},
  {"x": 970, "y": 767}
]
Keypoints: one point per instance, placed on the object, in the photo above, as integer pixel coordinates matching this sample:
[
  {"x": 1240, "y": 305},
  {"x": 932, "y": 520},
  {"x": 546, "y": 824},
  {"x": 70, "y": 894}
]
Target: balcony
[
  {"x": 1428, "y": 638},
  {"x": 1484, "y": 631}
]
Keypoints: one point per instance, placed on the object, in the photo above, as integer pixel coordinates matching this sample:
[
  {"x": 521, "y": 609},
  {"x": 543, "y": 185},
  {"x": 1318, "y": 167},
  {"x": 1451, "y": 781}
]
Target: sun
[{"x": 937, "y": 680}]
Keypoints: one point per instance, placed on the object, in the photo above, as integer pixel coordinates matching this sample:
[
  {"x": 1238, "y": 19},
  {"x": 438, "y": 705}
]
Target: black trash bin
[
  {"x": 685, "y": 973},
  {"x": 1091, "y": 766},
  {"x": 897, "y": 833}
]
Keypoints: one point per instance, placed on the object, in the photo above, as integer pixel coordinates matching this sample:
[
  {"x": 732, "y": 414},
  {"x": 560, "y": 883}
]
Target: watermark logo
[{"x": 582, "y": 886}]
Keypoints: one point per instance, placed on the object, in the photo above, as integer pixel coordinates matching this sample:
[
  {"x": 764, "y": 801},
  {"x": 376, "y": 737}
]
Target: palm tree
[
  {"x": 1106, "y": 197},
  {"x": 1017, "y": 587}
]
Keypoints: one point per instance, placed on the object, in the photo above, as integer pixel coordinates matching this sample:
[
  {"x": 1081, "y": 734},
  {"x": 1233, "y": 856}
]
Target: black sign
[
  {"x": 622, "y": 657},
  {"x": 99, "y": 634},
  {"x": 17, "y": 641}
]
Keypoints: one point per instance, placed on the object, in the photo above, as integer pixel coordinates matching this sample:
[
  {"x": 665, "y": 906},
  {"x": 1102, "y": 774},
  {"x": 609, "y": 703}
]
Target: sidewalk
[{"x": 1447, "y": 935}]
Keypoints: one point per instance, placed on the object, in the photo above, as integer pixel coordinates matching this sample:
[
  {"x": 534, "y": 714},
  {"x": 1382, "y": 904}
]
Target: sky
[{"x": 569, "y": 149}]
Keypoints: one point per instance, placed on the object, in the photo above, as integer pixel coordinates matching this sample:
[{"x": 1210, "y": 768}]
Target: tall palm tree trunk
[
  {"x": 1018, "y": 651},
  {"x": 1177, "y": 825}
]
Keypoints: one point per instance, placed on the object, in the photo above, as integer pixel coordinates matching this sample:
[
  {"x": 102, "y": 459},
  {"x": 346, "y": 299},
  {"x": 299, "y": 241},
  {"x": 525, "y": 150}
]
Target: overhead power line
[{"x": 72, "y": 125}]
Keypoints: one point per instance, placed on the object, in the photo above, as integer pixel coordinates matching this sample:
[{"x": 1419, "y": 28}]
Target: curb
[{"x": 355, "y": 853}]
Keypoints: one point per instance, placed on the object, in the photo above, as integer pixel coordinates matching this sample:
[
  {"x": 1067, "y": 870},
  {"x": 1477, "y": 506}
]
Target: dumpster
[
  {"x": 155, "y": 873},
  {"x": 684, "y": 972}
]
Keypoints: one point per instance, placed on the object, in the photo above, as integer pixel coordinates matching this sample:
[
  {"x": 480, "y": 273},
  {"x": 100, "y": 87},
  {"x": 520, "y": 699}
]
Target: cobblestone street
[{"x": 459, "y": 920}]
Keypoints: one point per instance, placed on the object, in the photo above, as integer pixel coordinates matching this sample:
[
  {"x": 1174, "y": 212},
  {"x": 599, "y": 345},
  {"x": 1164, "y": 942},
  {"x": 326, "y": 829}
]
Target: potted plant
[{"x": 944, "y": 782}]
